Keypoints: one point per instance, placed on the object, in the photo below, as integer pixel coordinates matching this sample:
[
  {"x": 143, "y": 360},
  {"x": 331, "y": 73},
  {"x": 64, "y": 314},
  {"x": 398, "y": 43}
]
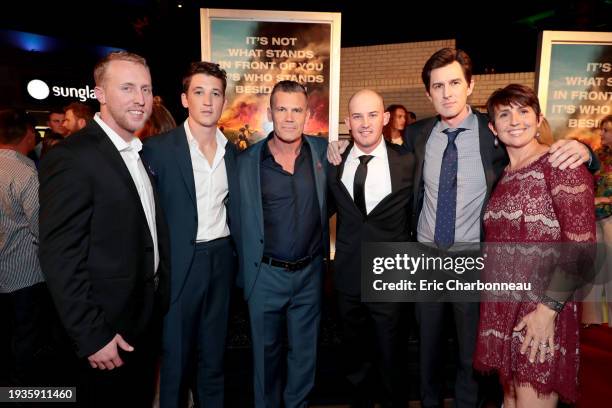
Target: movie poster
[
  {"x": 575, "y": 83},
  {"x": 257, "y": 54}
]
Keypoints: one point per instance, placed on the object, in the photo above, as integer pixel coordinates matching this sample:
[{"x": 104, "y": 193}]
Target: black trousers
[
  {"x": 370, "y": 343},
  {"x": 132, "y": 384},
  {"x": 28, "y": 337},
  {"x": 430, "y": 317}
]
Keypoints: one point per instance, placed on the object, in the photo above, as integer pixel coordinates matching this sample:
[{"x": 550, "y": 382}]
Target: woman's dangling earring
[{"x": 496, "y": 142}]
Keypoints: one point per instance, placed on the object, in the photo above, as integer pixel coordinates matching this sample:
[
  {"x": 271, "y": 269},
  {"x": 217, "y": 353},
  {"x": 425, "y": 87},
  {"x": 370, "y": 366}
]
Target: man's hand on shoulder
[
  {"x": 335, "y": 150},
  {"x": 566, "y": 153}
]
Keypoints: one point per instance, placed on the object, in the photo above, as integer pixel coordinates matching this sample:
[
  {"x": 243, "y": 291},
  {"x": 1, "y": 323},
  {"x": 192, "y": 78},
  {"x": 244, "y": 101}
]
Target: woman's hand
[{"x": 540, "y": 325}]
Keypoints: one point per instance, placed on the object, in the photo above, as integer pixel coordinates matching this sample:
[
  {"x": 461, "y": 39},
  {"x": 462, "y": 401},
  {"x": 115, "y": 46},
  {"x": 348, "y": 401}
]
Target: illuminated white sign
[{"x": 40, "y": 90}]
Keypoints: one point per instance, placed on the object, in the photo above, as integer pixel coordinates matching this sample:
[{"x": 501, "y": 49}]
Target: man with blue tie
[
  {"x": 194, "y": 167},
  {"x": 458, "y": 162},
  {"x": 284, "y": 238}
]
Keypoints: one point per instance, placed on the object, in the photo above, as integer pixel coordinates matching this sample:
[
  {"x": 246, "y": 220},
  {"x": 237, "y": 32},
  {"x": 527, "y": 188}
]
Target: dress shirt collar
[
  {"x": 266, "y": 153},
  {"x": 135, "y": 145},
  {"x": 380, "y": 151},
  {"x": 470, "y": 123},
  {"x": 221, "y": 139}
]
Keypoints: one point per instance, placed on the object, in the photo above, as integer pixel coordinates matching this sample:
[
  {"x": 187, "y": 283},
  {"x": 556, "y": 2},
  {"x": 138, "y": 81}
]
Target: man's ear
[
  {"x": 184, "y": 100},
  {"x": 470, "y": 87},
  {"x": 99, "y": 91},
  {"x": 386, "y": 118}
]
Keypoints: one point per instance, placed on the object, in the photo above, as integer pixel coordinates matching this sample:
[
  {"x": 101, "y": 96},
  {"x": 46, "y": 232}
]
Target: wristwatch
[{"x": 552, "y": 303}]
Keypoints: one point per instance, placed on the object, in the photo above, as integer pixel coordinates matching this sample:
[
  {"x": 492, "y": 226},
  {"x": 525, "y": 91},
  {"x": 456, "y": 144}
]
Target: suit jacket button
[
  {"x": 255, "y": 263},
  {"x": 261, "y": 241}
]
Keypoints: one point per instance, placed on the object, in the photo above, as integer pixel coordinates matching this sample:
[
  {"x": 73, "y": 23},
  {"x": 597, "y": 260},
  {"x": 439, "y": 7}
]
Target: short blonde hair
[{"x": 100, "y": 68}]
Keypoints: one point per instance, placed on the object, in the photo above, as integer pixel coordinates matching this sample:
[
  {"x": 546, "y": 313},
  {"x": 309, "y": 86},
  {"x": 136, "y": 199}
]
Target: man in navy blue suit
[
  {"x": 284, "y": 232},
  {"x": 195, "y": 170}
]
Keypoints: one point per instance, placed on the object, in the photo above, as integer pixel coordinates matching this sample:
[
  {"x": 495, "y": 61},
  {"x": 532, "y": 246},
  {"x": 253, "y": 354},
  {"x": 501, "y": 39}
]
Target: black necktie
[
  {"x": 447, "y": 193},
  {"x": 359, "y": 183}
]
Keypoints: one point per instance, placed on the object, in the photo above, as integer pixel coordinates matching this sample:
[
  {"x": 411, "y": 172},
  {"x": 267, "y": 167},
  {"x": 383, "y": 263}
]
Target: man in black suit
[
  {"x": 371, "y": 192},
  {"x": 103, "y": 240}
]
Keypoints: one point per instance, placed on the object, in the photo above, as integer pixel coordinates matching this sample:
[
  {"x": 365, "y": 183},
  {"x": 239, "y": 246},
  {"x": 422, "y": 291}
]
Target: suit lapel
[
  {"x": 394, "y": 167},
  {"x": 339, "y": 174},
  {"x": 108, "y": 149},
  {"x": 485, "y": 139},
  {"x": 319, "y": 176},
  {"x": 420, "y": 144},
  {"x": 230, "y": 167},
  {"x": 254, "y": 183},
  {"x": 183, "y": 159},
  {"x": 393, "y": 159},
  {"x": 422, "y": 139}
]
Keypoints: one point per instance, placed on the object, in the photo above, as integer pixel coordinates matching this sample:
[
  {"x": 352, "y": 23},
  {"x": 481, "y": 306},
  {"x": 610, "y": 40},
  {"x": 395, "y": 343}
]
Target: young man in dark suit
[
  {"x": 195, "y": 169},
  {"x": 371, "y": 192},
  {"x": 103, "y": 240}
]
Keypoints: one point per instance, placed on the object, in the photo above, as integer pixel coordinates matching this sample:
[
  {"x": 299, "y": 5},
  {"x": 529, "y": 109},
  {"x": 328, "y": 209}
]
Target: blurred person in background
[
  {"x": 410, "y": 118},
  {"x": 161, "y": 121},
  {"x": 55, "y": 122},
  {"x": 56, "y": 131},
  {"x": 24, "y": 298},
  {"x": 394, "y": 130},
  {"x": 76, "y": 116}
]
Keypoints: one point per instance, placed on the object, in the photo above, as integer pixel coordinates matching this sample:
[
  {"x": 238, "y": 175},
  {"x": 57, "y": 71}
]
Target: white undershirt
[
  {"x": 210, "y": 187},
  {"x": 378, "y": 180}
]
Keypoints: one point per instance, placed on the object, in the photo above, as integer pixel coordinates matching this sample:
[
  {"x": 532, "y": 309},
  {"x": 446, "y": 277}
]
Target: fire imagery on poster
[
  {"x": 256, "y": 54},
  {"x": 575, "y": 82}
]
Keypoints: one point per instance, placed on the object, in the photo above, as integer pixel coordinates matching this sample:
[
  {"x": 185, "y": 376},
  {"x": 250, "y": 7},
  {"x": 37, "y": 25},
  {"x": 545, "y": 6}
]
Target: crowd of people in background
[{"x": 121, "y": 256}]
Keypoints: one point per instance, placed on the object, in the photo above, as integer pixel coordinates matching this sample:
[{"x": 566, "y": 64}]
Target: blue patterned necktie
[{"x": 447, "y": 193}]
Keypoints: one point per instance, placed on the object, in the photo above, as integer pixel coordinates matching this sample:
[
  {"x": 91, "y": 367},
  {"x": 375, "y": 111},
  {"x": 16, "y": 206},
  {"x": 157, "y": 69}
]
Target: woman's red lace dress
[{"x": 537, "y": 203}]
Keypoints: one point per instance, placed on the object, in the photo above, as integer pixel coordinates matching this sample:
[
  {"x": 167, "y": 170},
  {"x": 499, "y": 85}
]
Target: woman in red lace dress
[{"x": 532, "y": 344}]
